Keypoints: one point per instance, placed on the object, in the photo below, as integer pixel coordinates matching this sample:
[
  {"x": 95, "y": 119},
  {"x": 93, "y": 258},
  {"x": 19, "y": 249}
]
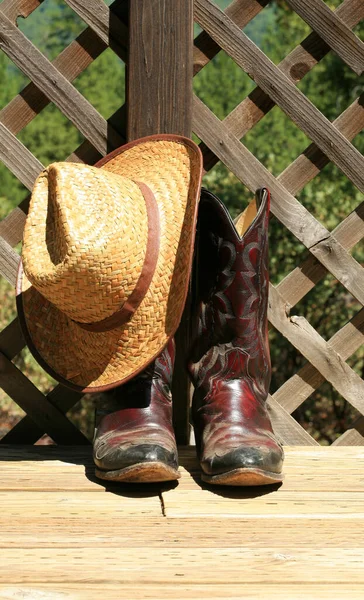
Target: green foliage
[{"x": 275, "y": 141}]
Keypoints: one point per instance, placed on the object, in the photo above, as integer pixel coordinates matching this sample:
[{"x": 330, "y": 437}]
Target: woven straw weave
[{"x": 82, "y": 217}]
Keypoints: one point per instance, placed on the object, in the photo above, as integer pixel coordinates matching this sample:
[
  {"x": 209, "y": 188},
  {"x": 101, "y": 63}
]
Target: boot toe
[
  {"x": 113, "y": 458},
  {"x": 260, "y": 459}
]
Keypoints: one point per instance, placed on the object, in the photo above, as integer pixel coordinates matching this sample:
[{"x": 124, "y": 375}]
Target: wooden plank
[
  {"x": 56, "y": 87},
  {"x": 179, "y": 590},
  {"x": 47, "y": 416},
  {"x": 239, "y": 11},
  {"x": 288, "y": 431},
  {"x": 195, "y": 565},
  {"x": 304, "y": 277},
  {"x": 312, "y": 160},
  {"x": 159, "y": 76},
  {"x": 285, "y": 206},
  {"x": 314, "y": 348},
  {"x": 300, "y": 386},
  {"x": 333, "y": 31},
  {"x": 19, "y": 160},
  {"x": 9, "y": 262},
  {"x": 11, "y": 228},
  {"x": 284, "y": 93},
  {"x": 108, "y": 27},
  {"x": 160, "y": 68},
  {"x": 295, "y": 66},
  {"x": 19, "y": 8}
]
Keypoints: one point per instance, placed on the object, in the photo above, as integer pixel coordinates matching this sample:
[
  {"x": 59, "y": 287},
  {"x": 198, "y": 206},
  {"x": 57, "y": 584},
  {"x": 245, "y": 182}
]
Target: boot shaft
[{"x": 232, "y": 296}]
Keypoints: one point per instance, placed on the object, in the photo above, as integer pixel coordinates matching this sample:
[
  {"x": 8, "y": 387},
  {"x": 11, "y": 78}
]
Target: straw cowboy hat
[{"x": 106, "y": 259}]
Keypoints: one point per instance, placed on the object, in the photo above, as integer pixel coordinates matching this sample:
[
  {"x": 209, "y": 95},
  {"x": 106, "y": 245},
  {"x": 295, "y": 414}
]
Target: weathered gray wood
[
  {"x": 239, "y": 11},
  {"x": 281, "y": 89},
  {"x": 303, "y": 278},
  {"x": 300, "y": 386},
  {"x": 313, "y": 160},
  {"x": 56, "y": 87},
  {"x": 159, "y": 93},
  {"x": 19, "y": 160},
  {"x": 9, "y": 262},
  {"x": 331, "y": 29},
  {"x": 295, "y": 66},
  {"x": 11, "y": 228},
  {"x": 289, "y": 432},
  {"x": 108, "y": 27},
  {"x": 288, "y": 210},
  {"x": 47, "y": 416},
  {"x": 314, "y": 348},
  {"x": 160, "y": 68}
]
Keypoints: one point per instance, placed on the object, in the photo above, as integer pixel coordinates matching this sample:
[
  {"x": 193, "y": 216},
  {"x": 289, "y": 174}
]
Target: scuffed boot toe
[
  {"x": 144, "y": 463},
  {"x": 244, "y": 466}
]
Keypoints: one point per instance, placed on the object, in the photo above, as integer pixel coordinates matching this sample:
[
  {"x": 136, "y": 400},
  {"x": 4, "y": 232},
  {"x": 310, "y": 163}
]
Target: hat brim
[{"x": 86, "y": 361}]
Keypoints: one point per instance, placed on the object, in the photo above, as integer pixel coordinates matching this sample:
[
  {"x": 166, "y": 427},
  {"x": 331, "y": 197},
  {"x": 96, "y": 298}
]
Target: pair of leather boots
[{"x": 229, "y": 365}]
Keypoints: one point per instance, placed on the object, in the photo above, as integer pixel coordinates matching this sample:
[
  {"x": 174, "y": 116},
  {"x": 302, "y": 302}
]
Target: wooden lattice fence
[{"x": 329, "y": 251}]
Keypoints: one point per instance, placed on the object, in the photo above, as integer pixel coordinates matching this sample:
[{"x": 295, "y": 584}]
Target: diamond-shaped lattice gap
[
  {"x": 332, "y": 85},
  {"x": 327, "y": 307},
  {"x": 330, "y": 196},
  {"x": 12, "y": 80},
  {"x": 52, "y": 27},
  {"x": 326, "y": 414},
  {"x": 50, "y": 136},
  {"x": 103, "y": 83},
  {"x": 276, "y": 141},
  {"x": 221, "y": 85}
]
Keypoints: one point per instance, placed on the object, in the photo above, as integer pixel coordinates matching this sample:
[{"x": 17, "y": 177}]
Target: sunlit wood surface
[{"x": 65, "y": 535}]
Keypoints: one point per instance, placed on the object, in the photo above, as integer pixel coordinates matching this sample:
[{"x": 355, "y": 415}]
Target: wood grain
[
  {"x": 107, "y": 26},
  {"x": 333, "y": 31},
  {"x": 56, "y": 87},
  {"x": 19, "y": 160},
  {"x": 67, "y": 535},
  {"x": 295, "y": 66},
  {"x": 14, "y": 9},
  {"x": 300, "y": 386},
  {"x": 284, "y": 93},
  {"x": 159, "y": 68},
  {"x": 283, "y": 204},
  {"x": 159, "y": 75}
]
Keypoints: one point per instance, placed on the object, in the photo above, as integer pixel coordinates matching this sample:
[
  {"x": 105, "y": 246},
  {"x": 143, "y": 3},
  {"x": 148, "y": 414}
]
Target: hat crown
[{"x": 85, "y": 239}]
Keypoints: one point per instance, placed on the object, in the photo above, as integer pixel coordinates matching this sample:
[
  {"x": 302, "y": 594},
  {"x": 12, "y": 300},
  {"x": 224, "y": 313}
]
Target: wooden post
[{"x": 159, "y": 100}]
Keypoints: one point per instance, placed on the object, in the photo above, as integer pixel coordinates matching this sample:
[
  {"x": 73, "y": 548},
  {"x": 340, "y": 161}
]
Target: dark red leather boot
[
  {"x": 230, "y": 360},
  {"x": 135, "y": 442}
]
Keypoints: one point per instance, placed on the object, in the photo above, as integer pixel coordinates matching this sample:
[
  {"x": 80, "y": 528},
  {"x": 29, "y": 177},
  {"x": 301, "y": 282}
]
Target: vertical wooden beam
[{"x": 159, "y": 100}]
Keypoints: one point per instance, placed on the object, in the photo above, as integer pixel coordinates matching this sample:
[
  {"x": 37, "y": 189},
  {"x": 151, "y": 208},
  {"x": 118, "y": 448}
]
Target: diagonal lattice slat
[
  {"x": 271, "y": 79},
  {"x": 331, "y": 142},
  {"x": 56, "y": 87},
  {"x": 332, "y": 30}
]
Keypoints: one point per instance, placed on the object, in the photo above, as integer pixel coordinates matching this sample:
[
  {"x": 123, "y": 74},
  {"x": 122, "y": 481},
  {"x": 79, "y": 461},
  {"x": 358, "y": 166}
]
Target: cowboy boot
[
  {"x": 230, "y": 361},
  {"x": 134, "y": 439}
]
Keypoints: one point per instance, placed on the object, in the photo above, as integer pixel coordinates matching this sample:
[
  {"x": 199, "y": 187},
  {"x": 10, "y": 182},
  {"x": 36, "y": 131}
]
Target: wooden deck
[{"x": 64, "y": 535}]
